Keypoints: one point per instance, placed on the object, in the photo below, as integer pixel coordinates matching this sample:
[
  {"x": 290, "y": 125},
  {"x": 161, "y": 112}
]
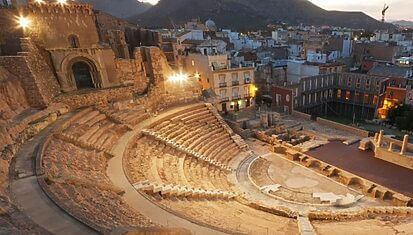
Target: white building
[{"x": 280, "y": 35}]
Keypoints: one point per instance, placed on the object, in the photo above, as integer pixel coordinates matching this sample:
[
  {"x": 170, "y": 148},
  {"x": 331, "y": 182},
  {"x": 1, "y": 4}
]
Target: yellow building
[{"x": 233, "y": 85}]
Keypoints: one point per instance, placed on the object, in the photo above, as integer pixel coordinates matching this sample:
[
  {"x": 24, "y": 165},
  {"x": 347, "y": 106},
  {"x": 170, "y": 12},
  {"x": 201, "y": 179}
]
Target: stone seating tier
[{"x": 170, "y": 190}]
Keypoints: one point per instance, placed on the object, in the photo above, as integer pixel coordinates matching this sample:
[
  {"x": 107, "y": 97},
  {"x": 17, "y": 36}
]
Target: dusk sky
[{"x": 399, "y": 9}]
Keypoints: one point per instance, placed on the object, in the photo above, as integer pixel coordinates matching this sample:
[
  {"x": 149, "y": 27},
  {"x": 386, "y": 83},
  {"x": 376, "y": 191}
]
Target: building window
[
  {"x": 235, "y": 93},
  {"x": 348, "y": 95},
  {"x": 287, "y": 98},
  {"x": 223, "y": 93},
  {"x": 349, "y": 81},
  {"x": 74, "y": 41},
  {"x": 222, "y": 82},
  {"x": 338, "y": 94},
  {"x": 375, "y": 99},
  {"x": 246, "y": 91},
  {"x": 366, "y": 99},
  {"x": 278, "y": 100},
  {"x": 368, "y": 83},
  {"x": 235, "y": 81},
  {"x": 193, "y": 63},
  {"x": 247, "y": 77},
  {"x": 358, "y": 82}
]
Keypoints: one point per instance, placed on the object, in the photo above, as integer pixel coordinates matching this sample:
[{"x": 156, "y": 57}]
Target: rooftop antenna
[{"x": 383, "y": 12}]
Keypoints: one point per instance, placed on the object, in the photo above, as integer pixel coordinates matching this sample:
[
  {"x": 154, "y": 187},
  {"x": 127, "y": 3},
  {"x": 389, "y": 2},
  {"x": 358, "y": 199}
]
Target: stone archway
[
  {"x": 80, "y": 71},
  {"x": 82, "y": 75}
]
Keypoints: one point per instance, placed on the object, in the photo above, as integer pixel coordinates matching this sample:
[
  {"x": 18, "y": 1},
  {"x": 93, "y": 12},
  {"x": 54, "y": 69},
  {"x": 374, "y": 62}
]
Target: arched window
[{"x": 74, "y": 41}]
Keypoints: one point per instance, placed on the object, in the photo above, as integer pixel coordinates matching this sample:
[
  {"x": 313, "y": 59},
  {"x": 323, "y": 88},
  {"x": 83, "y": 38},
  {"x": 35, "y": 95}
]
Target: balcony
[
  {"x": 224, "y": 99},
  {"x": 236, "y": 97},
  {"x": 223, "y": 84},
  {"x": 235, "y": 83}
]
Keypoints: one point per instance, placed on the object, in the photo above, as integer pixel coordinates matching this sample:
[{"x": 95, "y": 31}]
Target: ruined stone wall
[
  {"x": 301, "y": 115},
  {"x": 131, "y": 71},
  {"x": 394, "y": 157},
  {"x": 342, "y": 127},
  {"x": 9, "y": 34},
  {"x": 52, "y": 24},
  {"x": 13, "y": 98},
  {"x": 34, "y": 72},
  {"x": 146, "y": 77}
]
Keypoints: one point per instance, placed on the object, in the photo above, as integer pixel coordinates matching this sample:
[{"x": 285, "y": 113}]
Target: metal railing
[
  {"x": 235, "y": 83},
  {"x": 223, "y": 84}
]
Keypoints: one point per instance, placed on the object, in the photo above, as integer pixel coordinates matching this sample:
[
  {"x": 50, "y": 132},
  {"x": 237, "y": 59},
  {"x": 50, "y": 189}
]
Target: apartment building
[
  {"x": 342, "y": 94},
  {"x": 232, "y": 84}
]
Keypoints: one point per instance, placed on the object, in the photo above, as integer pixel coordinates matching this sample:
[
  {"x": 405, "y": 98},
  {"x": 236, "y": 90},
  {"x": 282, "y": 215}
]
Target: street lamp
[
  {"x": 23, "y": 22},
  {"x": 179, "y": 77},
  {"x": 62, "y": 2}
]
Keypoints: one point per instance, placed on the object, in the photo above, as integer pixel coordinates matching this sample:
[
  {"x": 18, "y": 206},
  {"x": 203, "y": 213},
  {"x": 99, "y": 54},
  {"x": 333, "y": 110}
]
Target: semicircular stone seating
[
  {"x": 200, "y": 131},
  {"x": 74, "y": 163},
  {"x": 188, "y": 185}
]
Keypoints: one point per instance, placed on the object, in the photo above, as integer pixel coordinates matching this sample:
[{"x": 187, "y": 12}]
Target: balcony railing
[
  {"x": 235, "y": 83},
  {"x": 224, "y": 99},
  {"x": 223, "y": 84},
  {"x": 235, "y": 97}
]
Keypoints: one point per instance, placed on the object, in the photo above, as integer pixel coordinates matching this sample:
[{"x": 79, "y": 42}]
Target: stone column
[
  {"x": 380, "y": 138},
  {"x": 376, "y": 137},
  {"x": 404, "y": 146},
  {"x": 391, "y": 146}
]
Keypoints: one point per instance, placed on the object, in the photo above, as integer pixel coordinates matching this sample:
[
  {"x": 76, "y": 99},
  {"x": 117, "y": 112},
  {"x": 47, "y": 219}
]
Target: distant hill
[
  {"x": 403, "y": 23},
  {"x": 246, "y": 14},
  {"x": 120, "y": 8}
]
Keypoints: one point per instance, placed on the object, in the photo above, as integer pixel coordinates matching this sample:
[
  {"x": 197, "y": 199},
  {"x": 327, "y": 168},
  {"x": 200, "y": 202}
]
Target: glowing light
[
  {"x": 62, "y": 2},
  {"x": 180, "y": 77},
  {"x": 39, "y": 1},
  {"x": 197, "y": 75},
  {"x": 23, "y": 22},
  {"x": 152, "y": 2}
]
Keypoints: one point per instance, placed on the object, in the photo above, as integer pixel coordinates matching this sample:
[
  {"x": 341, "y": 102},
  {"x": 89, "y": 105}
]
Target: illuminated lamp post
[
  {"x": 62, "y": 2},
  {"x": 182, "y": 77},
  {"x": 23, "y": 22}
]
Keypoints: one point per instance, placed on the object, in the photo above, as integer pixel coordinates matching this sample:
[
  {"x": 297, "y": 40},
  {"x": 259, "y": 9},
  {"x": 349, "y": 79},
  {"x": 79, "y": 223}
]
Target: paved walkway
[
  {"x": 135, "y": 199},
  {"x": 365, "y": 165},
  {"x": 31, "y": 199}
]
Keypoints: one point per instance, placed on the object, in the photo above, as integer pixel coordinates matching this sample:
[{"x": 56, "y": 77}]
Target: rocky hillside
[
  {"x": 246, "y": 14},
  {"x": 120, "y": 8}
]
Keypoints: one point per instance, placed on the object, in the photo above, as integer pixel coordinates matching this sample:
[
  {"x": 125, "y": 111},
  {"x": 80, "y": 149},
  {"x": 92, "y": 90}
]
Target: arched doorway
[{"x": 83, "y": 76}]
